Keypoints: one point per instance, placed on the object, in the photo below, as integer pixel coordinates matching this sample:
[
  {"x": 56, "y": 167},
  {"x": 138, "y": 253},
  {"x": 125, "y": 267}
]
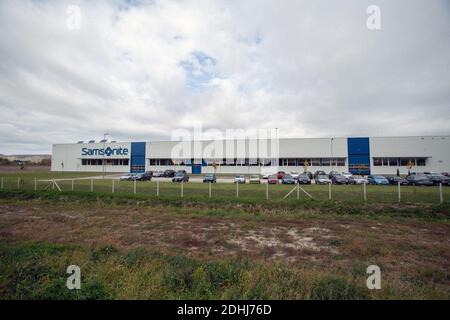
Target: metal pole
[
  {"x": 237, "y": 189},
  {"x": 399, "y": 193},
  {"x": 210, "y": 189},
  {"x": 298, "y": 192},
  {"x": 441, "y": 196},
  {"x": 134, "y": 186},
  {"x": 267, "y": 191},
  {"x": 92, "y": 185},
  {"x": 112, "y": 191},
  {"x": 364, "y": 188},
  {"x": 157, "y": 188},
  {"x": 182, "y": 191},
  {"x": 18, "y": 182},
  {"x": 35, "y": 184},
  {"x": 73, "y": 182},
  {"x": 329, "y": 191}
]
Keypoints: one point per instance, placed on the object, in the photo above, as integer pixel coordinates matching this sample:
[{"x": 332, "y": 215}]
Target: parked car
[
  {"x": 419, "y": 180},
  {"x": 272, "y": 179},
  {"x": 142, "y": 177},
  {"x": 378, "y": 180},
  {"x": 294, "y": 174},
  {"x": 169, "y": 173},
  {"x": 209, "y": 177},
  {"x": 322, "y": 179},
  {"x": 254, "y": 178},
  {"x": 319, "y": 173},
  {"x": 180, "y": 177},
  {"x": 357, "y": 180},
  {"x": 181, "y": 171},
  {"x": 126, "y": 177},
  {"x": 347, "y": 175},
  {"x": 280, "y": 174},
  {"x": 304, "y": 179},
  {"x": 266, "y": 175},
  {"x": 438, "y": 178},
  {"x": 332, "y": 174},
  {"x": 338, "y": 179},
  {"x": 158, "y": 173},
  {"x": 288, "y": 179},
  {"x": 240, "y": 178},
  {"x": 396, "y": 179},
  {"x": 310, "y": 175},
  {"x": 446, "y": 174}
]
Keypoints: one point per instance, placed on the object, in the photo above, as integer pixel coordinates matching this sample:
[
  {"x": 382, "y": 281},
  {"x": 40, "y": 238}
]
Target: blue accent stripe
[
  {"x": 137, "y": 157},
  {"x": 358, "y": 155}
]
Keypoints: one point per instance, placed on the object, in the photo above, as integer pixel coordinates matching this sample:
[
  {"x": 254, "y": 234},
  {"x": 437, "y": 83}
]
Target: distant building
[{"x": 367, "y": 155}]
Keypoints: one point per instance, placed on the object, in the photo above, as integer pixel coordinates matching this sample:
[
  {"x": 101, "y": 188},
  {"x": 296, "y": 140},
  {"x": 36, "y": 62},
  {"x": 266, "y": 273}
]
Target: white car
[
  {"x": 294, "y": 174},
  {"x": 158, "y": 173},
  {"x": 239, "y": 178},
  {"x": 347, "y": 175},
  {"x": 126, "y": 177}
]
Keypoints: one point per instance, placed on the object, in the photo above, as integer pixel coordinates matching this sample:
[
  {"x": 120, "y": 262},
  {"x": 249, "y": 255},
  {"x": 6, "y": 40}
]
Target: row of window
[
  {"x": 108, "y": 162},
  {"x": 286, "y": 162},
  {"x": 399, "y": 162}
]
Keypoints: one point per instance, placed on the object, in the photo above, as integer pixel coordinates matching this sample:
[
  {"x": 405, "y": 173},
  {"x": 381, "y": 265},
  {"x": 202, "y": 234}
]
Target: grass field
[
  {"x": 388, "y": 194},
  {"x": 139, "y": 246}
]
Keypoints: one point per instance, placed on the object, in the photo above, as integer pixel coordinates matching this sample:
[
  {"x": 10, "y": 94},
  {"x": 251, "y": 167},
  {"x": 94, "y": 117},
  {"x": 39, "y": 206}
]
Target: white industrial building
[{"x": 374, "y": 155}]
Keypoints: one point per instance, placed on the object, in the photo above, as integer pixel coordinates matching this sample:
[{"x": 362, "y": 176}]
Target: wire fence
[{"x": 264, "y": 191}]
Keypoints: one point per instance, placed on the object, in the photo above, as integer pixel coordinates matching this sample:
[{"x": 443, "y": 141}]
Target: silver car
[
  {"x": 357, "y": 180},
  {"x": 239, "y": 178},
  {"x": 322, "y": 179}
]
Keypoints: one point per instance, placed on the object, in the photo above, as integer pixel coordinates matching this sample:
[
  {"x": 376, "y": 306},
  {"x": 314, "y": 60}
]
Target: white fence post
[
  {"x": 237, "y": 189},
  {"x": 329, "y": 191},
  {"x": 18, "y": 182},
  {"x": 113, "y": 185},
  {"x": 298, "y": 191},
  {"x": 399, "y": 193},
  {"x": 365, "y": 191},
  {"x": 182, "y": 188},
  {"x": 267, "y": 191},
  {"x": 35, "y": 184},
  {"x": 157, "y": 188},
  {"x": 92, "y": 185},
  {"x": 73, "y": 184},
  {"x": 134, "y": 186},
  {"x": 441, "y": 196},
  {"x": 210, "y": 189}
]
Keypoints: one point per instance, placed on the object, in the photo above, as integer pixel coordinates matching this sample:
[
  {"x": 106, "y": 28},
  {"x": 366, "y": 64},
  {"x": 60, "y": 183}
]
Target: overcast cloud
[{"x": 140, "y": 69}]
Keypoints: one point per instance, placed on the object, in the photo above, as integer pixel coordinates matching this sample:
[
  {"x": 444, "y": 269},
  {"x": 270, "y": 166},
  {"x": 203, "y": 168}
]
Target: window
[
  {"x": 393, "y": 162},
  {"x": 377, "y": 162},
  {"x": 420, "y": 162},
  {"x": 385, "y": 161}
]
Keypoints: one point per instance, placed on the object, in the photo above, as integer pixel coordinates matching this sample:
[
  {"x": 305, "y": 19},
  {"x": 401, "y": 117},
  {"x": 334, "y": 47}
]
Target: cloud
[{"x": 141, "y": 69}]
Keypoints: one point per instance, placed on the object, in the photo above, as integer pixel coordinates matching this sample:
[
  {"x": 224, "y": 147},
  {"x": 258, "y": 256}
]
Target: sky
[{"x": 73, "y": 70}]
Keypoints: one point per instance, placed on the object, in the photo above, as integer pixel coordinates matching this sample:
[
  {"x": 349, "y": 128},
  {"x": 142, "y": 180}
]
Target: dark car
[
  {"x": 209, "y": 177},
  {"x": 338, "y": 179},
  {"x": 332, "y": 174},
  {"x": 180, "y": 171},
  {"x": 310, "y": 175},
  {"x": 280, "y": 174},
  {"x": 395, "y": 180},
  {"x": 437, "y": 178},
  {"x": 287, "y": 179},
  {"x": 169, "y": 173},
  {"x": 143, "y": 177},
  {"x": 304, "y": 179},
  {"x": 319, "y": 173},
  {"x": 180, "y": 177},
  {"x": 419, "y": 180},
  {"x": 377, "y": 180}
]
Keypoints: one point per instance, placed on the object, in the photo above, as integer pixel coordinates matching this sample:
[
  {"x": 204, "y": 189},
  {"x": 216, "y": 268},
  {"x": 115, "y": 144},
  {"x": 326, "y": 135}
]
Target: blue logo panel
[
  {"x": 137, "y": 157},
  {"x": 358, "y": 155}
]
